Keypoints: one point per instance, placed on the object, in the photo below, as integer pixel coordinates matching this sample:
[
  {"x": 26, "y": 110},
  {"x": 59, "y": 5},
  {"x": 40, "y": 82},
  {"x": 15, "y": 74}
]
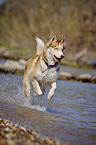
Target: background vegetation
[{"x": 22, "y": 20}]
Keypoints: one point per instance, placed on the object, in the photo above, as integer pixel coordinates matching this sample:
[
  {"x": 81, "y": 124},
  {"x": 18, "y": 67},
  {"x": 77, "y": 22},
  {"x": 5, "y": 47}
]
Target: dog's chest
[{"x": 49, "y": 76}]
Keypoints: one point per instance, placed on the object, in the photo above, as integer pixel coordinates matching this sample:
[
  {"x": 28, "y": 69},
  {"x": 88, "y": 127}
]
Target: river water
[{"x": 70, "y": 117}]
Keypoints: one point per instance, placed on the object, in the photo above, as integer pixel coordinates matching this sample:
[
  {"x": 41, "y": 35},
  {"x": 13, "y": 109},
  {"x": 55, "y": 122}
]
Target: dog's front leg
[
  {"x": 36, "y": 87},
  {"x": 52, "y": 90}
]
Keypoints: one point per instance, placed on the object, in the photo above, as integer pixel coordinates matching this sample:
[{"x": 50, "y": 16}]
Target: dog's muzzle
[
  {"x": 62, "y": 56},
  {"x": 58, "y": 59}
]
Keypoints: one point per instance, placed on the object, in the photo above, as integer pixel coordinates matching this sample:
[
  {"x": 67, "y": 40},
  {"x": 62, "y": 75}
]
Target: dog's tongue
[{"x": 57, "y": 60}]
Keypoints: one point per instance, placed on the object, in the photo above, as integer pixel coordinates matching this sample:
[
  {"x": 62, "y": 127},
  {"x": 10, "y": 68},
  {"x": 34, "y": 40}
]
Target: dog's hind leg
[
  {"x": 40, "y": 101},
  {"x": 33, "y": 100},
  {"x": 52, "y": 90}
]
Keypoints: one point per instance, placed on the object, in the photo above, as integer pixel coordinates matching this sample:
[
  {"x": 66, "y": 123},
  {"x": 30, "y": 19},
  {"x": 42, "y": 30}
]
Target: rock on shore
[
  {"x": 84, "y": 77},
  {"x": 81, "y": 77},
  {"x": 13, "y": 67}
]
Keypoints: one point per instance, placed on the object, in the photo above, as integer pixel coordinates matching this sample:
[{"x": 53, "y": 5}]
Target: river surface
[{"x": 70, "y": 117}]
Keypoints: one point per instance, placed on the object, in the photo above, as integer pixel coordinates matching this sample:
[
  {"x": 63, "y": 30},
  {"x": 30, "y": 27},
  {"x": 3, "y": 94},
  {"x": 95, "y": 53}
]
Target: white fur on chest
[{"x": 49, "y": 76}]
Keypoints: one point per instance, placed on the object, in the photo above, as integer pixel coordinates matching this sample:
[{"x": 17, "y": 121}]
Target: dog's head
[{"x": 55, "y": 49}]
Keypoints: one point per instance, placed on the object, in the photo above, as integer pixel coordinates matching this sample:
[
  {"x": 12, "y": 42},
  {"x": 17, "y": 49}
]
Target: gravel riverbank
[{"x": 12, "y": 134}]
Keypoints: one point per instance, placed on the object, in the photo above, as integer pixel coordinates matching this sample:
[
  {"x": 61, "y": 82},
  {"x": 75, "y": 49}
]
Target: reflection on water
[{"x": 69, "y": 117}]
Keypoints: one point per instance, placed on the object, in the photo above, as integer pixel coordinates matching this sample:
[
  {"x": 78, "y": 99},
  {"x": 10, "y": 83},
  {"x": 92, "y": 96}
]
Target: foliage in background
[{"x": 21, "y": 21}]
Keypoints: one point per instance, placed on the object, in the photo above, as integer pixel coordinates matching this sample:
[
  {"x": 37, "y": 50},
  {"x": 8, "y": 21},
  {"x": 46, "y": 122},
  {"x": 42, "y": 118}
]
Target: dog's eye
[
  {"x": 56, "y": 48},
  {"x": 63, "y": 50}
]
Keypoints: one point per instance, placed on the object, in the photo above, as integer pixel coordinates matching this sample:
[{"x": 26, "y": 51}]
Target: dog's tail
[{"x": 40, "y": 45}]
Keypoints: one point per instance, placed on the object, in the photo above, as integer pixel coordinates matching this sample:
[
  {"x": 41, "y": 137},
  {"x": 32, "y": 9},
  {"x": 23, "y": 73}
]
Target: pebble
[
  {"x": 23, "y": 129},
  {"x": 9, "y": 135},
  {"x": 49, "y": 141},
  {"x": 7, "y": 129},
  {"x": 2, "y": 133},
  {"x": 2, "y": 125},
  {"x": 14, "y": 129},
  {"x": 57, "y": 143}
]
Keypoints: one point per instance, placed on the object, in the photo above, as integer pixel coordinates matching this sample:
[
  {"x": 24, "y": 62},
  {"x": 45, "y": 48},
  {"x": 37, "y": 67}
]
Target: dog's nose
[{"x": 62, "y": 56}]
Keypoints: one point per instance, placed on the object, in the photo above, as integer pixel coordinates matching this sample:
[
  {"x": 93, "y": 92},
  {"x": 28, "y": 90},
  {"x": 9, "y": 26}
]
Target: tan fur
[{"x": 38, "y": 74}]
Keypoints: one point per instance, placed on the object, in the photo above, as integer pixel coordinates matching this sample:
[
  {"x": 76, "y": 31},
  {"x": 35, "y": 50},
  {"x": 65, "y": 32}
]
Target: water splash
[
  {"x": 39, "y": 108},
  {"x": 12, "y": 92}
]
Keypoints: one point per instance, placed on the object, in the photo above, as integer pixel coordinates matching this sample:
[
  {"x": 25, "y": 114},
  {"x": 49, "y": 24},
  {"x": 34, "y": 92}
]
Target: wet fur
[{"x": 37, "y": 75}]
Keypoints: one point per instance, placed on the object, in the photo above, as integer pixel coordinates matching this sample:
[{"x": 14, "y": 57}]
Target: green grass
[
  {"x": 74, "y": 64},
  {"x": 17, "y": 53}
]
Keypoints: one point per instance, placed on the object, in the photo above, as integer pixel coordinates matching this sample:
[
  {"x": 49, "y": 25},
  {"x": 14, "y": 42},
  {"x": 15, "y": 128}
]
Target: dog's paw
[
  {"x": 49, "y": 96},
  {"x": 27, "y": 93},
  {"x": 38, "y": 94}
]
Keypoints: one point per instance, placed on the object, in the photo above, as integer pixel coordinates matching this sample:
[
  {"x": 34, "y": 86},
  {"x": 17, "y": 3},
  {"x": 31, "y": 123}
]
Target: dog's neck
[
  {"x": 48, "y": 57},
  {"x": 48, "y": 65}
]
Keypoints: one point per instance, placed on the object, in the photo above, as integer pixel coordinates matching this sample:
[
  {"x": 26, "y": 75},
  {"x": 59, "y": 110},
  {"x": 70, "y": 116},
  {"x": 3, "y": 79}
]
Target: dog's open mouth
[{"x": 57, "y": 59}]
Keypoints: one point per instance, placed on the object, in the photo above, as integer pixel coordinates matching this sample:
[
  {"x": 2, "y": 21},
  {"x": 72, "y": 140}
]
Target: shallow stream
[{"x": 70, "y": 117}]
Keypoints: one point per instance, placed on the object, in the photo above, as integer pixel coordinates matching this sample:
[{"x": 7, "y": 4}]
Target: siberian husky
[{"x": 43, "y": 69}]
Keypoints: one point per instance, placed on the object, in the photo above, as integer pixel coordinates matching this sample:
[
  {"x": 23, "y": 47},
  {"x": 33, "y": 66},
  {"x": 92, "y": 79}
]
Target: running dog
[{"x": 42, "y": 70}]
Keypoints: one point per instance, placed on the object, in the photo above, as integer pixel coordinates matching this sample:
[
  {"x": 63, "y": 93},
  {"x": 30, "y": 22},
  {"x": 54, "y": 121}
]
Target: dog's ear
[
  {"x": 63, "y": 40},
  {"x": 53, "y": 39}
]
